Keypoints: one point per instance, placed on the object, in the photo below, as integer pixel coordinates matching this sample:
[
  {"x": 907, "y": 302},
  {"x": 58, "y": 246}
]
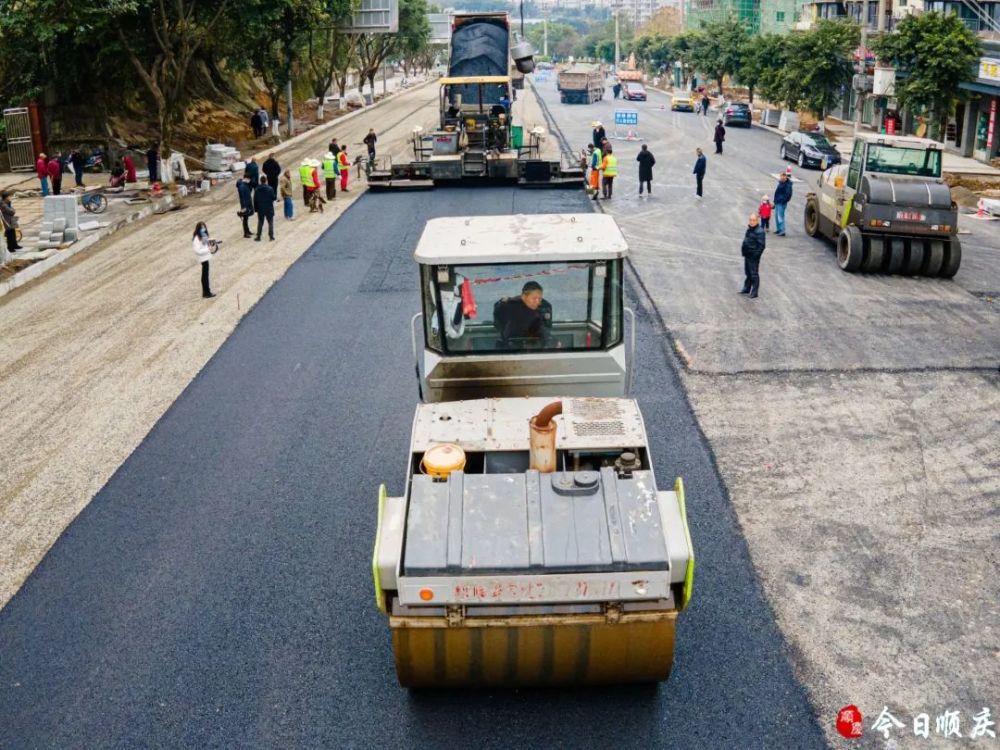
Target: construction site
[{"x": 468, "y": 449}]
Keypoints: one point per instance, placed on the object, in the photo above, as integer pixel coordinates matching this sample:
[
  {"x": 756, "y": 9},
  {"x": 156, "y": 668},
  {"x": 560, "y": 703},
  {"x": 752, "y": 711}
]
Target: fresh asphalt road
[{"x": 217, "y": 592}]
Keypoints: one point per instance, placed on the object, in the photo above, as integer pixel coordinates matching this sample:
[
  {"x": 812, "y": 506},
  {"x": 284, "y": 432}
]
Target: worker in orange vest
[{"x": 345, "y": 168}]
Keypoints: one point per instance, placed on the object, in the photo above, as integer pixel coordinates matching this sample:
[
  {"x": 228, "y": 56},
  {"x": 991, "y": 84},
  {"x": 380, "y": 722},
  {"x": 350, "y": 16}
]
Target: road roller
[
  {"x": 888, "y": 210},
  {"x": 532, "y": 545}
]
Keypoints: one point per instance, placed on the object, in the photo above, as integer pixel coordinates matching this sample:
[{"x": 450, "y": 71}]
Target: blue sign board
[{"x": 626, "y": 117}]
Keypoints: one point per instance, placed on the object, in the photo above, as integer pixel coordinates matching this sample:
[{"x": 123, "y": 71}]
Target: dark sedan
[
  {"x": 809, "y": 150},
  {"x": 737, "y": 113}
]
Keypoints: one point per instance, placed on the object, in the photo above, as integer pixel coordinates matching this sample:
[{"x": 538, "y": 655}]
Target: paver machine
[
  {"x": 532, "y": 544},
  {"x": 476, "y": 139},
  {"x": 888, "y": 210}
]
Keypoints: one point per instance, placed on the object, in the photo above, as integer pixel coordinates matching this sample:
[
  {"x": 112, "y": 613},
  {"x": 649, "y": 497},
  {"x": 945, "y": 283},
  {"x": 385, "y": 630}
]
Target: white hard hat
[{"x": 327, "y": 155}]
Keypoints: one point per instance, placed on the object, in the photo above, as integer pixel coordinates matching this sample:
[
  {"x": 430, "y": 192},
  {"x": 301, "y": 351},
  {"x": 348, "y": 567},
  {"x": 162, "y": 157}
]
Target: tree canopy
[{"x": 934, "y": 53}]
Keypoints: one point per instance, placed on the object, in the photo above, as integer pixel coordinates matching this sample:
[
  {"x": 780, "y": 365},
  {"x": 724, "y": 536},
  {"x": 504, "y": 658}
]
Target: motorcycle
[{"x": 94, "y": 162}]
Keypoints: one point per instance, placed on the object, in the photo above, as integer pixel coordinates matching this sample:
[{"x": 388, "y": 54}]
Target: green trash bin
[{"x": 517, "y": 136}]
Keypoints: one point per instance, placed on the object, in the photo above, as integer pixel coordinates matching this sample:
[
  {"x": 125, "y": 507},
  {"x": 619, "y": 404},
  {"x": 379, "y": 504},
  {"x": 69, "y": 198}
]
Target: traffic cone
[{"x": 980, "y": 210}]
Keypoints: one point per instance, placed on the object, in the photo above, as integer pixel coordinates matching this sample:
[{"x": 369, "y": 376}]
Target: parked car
[
  {"x": 633, "y": 91},
  {"x": 809, "y": 150},
  {"x": 682, "y": 101},
  {"x": 737, "y": 113}
]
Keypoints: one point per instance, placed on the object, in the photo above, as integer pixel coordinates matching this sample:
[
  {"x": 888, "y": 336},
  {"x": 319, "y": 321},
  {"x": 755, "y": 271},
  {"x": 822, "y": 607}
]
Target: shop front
[{"x": 981, "y": 140}]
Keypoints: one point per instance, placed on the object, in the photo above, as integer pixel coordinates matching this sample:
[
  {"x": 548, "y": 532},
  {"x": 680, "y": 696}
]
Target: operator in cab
[{"x": 526, "y": 317}]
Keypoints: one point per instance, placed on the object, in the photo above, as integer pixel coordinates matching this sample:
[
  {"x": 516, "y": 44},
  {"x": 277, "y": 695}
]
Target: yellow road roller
[{"x": 532, "y": 546}]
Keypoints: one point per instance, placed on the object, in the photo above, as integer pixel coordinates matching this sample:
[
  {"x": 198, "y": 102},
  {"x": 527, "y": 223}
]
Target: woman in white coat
[{"x": 204, "y": 249}]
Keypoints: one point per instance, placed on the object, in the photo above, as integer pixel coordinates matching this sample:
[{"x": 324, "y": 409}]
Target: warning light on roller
[{"x": 426, "y": 594}]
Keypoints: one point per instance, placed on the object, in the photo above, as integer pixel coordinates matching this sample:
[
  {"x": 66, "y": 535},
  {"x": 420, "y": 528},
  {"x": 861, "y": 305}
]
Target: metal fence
[{"x": 19, "y": 147}]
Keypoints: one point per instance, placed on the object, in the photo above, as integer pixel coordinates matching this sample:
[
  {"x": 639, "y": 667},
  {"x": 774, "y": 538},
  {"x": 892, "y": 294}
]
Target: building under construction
[{"x": 759, "y": 16}]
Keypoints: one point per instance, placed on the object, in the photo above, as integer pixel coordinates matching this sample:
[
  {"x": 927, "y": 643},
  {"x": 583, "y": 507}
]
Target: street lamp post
[
  {"x": 618, "y": 57},
  {"x": 863, "y": 67}
]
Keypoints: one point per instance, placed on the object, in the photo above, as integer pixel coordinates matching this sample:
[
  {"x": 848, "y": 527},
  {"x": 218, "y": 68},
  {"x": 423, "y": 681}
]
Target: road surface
[{"x": 216, "y": 592}]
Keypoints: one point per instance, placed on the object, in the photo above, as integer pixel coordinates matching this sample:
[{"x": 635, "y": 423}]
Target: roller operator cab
[
  {"x": 522, "y": 305},
  {"x": 888, "y": 210},
  {"x": 532, "y": 546}
]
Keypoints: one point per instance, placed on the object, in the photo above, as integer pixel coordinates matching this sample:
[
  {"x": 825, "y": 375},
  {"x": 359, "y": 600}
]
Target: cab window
[{"x": 529, "y": 306}]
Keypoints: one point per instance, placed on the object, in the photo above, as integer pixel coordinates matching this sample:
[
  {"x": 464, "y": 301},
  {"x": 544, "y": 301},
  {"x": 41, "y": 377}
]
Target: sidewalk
[{"x": 28, "y": 265}]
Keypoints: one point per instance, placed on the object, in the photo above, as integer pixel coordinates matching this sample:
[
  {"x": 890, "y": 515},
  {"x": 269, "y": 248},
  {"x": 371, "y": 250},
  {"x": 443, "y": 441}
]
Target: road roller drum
[{"x": 550, "y": 557}]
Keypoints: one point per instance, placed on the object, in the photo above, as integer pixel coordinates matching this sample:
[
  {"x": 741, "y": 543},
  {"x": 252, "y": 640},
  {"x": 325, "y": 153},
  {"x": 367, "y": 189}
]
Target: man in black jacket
[
  {"x": 646, "y": 162},
  {"x": 720, "y": 136},
  {"x": 263, "y": 204},
  {"x": 272, "y": 171},
  {"x": 699, "y": 169},
  {"x": 246, "y": 203},
  {"x": 752, "y": 249},
  {"x": 526, "y": 317}
]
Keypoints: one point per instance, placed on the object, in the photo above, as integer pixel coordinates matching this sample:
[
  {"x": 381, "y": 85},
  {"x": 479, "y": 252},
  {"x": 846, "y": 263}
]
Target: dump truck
[
  {"x": 888, "y": 210},
  {"x": 581, "y": 83},
  {"x": 476, "y": 139},
  {"x": 531, "y": 544}
]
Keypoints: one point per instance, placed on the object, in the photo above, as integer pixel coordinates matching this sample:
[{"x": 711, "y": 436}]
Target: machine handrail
[
  {"x": 630, "y": 359},
  {"x": 416, "y": 357}
]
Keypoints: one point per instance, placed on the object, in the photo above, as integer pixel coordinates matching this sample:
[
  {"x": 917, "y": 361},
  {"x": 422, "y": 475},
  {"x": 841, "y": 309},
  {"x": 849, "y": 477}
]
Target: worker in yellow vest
[
  {"x": 609, "y": 168},
  {"x": 330, "y": 172},
  {"x": 345, "y": 168},
  {"x": 596, "y": 160},
  {"x": 306, "y": 178}
]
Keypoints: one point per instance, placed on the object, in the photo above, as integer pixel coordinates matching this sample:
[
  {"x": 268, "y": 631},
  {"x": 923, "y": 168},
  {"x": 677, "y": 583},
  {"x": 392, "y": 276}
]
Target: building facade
[
  {"x": 697, "y": 12},
  {"x": 976, "y": 119}
]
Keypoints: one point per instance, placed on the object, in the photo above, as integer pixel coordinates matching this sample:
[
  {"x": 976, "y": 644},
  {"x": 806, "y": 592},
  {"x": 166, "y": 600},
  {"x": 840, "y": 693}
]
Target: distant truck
[{"x": 582, "y": 83}]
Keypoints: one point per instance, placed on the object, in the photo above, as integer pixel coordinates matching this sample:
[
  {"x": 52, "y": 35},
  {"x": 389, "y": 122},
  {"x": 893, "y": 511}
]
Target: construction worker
[
  {"x": 331, "y": 170},
  {"x": 345, "y": 168},
  {"x": 305, "y": 177},
  {"x": 596, "y": 161},
  {"x": 609, "y": 167}
]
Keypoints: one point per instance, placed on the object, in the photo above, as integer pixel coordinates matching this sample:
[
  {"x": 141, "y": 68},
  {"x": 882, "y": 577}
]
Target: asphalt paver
[{"x": 217, "y": 591}]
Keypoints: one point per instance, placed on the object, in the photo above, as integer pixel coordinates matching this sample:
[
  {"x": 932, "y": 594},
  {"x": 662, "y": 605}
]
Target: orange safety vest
[{"x": 342, "y": 160}]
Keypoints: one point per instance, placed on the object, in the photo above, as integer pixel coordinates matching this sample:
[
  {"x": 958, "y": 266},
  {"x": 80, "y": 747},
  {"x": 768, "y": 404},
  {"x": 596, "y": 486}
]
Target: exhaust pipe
[{"x": 542, "y": 439}]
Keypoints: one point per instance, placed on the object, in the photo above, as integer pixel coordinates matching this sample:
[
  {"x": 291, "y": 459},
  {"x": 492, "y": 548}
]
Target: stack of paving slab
[
  {"x": 220, "y": 158},
  {"x": 60, "y": 222}
]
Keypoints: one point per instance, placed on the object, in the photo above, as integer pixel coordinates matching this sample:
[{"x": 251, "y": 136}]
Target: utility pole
[
  {"x": 545, "y": 32},
  {"x": 617, "y": 12},
  {"x": 863, "y": 66}
]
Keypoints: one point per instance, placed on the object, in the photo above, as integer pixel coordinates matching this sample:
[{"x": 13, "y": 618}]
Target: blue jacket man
[
  {"x": 752, "y": 248},
  {"x": 263, "y": 203},
  {"x": 699, "y": 169},
  {"x": 246, "y": 203},
  {"x": 782, "y": 195},
  {"x": 252, "y": 171}
]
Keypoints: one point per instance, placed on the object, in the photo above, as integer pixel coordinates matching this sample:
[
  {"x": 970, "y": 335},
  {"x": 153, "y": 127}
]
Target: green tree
[
  {"x": 178, "y": 30},
  {"x": 716, "y": 50},
  {"x": 821, "y": 63},
  {"x": 933, "y": 52},
  {"x": 683, "y": 47},
  {"x": 758, "y": 59},
  {"x": 563, "y": 38},
  {"x": 654, "y": 52}
]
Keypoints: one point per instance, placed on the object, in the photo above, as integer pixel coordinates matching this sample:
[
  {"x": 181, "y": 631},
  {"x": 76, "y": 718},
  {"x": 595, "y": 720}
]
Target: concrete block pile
[
  {"x": 220, "y": 158},
  {"x": 60, "y": 222}
]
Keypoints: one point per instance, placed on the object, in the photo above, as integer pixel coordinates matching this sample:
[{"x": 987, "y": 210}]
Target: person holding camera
[
  {"x": 204, "y": 248},
  {"x": 245, "y": 191}
]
